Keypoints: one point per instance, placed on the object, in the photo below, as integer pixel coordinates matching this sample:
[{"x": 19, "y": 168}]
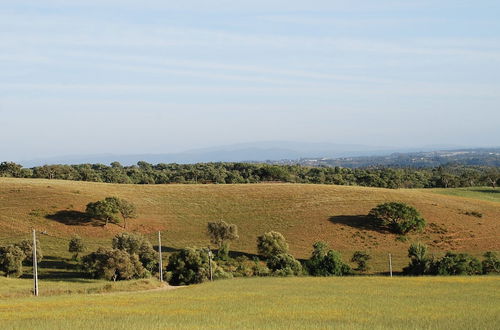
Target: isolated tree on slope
[
  {"x": 220, "y": 234},
  {"x": 76, "y": 246}
]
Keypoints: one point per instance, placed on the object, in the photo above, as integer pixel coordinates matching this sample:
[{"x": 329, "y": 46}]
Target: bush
[
  {"x": 11, "y": 260},
  {"x": 361, "y": 258},
  {"x": 271, "y": 244},
  {"x": 398, "y": 217},
  {"x": 113, "y": 264},
  {"x": 491, "y": 263},
  {"x": 76, "y": 246},
  {"x": 284, "y": 265},
  {"x": 325, "y": 262},
  {"x": 420, "y": 264},
  {"x": 457, "y": 264},
  {"x": 138, "y": 245},
  {"x": 27, "y": 247},
  {"x": 191, "y": 266}
]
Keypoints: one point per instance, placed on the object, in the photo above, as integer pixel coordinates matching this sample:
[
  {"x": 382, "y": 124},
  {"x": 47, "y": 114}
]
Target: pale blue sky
[{"x": 123, "y": 76}]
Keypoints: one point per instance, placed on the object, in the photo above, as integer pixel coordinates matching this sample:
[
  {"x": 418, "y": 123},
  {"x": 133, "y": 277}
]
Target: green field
[
  {"x": 482, "y": 193},
  {"x": 340, "y": 303}
]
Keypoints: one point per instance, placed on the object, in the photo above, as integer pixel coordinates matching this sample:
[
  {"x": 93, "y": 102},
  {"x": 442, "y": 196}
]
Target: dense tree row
[{"x": 145, "y": 173}]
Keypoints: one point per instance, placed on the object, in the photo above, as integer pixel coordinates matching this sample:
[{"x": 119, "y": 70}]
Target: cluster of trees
[
  {"x": 131, "y": 256},
  {"x": 145, "y": 173},
  {"x": 13, "y": 256},
  {"x": 450, "y": 264},
  {"x": 192, "y": 265}
]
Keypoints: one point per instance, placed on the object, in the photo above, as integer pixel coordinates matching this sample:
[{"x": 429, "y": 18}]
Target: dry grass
[{"x": 303, "y": 213}]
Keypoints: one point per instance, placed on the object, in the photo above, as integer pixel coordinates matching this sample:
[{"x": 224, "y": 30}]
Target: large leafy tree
[
  {"x": 113, "y": 264},
  {"x": 398, "y": 217},
  {"x": 271, "y": 244},
  {"x": 110, "y": 209},
  {"x": 11, "y": 260},
  {"x": 135, "y": 244}
]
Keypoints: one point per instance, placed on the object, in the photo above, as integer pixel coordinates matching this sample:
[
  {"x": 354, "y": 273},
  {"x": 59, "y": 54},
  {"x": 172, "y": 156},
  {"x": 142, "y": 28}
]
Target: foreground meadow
[{"x": 345, "y": 303}]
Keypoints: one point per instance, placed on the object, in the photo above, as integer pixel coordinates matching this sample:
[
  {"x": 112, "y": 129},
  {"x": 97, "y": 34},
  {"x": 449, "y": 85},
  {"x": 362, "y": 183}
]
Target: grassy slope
[
  {"x": 341, "y": 303},
  {"x": 303, "y": 213}
]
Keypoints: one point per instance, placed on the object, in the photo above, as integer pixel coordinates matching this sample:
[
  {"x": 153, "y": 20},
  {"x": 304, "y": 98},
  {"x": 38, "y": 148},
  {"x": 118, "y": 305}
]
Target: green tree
[
  {"x": 76, "y": 246},
  {"x": 420, "y": 263},
  {"x": 106, "y": 210},
  {"x": 361, "y": 258},
  {"x": 127, "y": 210},
  {"x": 271, "y": 244},
  {"x": 191, "y": 266},
  {"x": 326, "y": 262},
  {"x": 457, "y": 264},
  {"x": 284, "y": 265},
  {"x": 11, "y": 260},
  {"x": 491, "y": 263},
  {"x": 113, "y": 264},
  {"x": 27, "y": 247},
  {"x": 135, "y": 244},
  {"x": 399, "y": 217},
  {"x": 220, "y": 234}
]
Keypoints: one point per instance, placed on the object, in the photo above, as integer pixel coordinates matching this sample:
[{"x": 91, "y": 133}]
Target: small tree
[
  {"x": 220, "y": 233},
  {"x": 361, "y": 258},
  {"x": 271, "y": 244},
  {"x": 11, "y": 260},
  {"x": 27, "y": 247},
  {"x": 491, "y": 263},
  {"x": 127, "y": 211},
  {"x": 326, "y": 262},
  {"x": 113, "y": 264},
  {"x": 420, "y": 264},
  {"x": 399, "y": 217},
  {"x": 76, "y": 246}
]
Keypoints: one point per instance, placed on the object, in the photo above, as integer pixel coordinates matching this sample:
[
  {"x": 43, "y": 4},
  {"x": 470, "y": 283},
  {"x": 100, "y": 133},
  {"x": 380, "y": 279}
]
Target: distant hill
[{"x": 257, "y": 152}]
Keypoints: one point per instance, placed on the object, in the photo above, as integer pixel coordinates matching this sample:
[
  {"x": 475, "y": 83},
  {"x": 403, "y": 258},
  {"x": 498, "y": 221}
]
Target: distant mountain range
[{"x": 272, "y": 152}]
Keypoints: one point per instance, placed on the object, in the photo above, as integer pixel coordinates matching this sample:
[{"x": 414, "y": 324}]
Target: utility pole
[
  {"x": 210, "y": 263},
  {"x": 160, "y": 261},
  {"x": 390, "y": 264},
  {"x": 35, "y": 267}
]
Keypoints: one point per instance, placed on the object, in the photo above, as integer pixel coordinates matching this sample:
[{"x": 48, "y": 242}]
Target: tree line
[{"x": 451, "y": 176}]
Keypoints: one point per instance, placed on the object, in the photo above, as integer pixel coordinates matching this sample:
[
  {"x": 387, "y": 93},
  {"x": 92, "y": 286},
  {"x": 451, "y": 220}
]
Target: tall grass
[{"x": 293, "y": 303}]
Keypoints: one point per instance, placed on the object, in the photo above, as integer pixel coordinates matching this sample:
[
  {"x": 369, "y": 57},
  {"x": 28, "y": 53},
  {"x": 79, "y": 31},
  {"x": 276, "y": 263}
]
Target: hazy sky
[{"x": 120, "y": 76}]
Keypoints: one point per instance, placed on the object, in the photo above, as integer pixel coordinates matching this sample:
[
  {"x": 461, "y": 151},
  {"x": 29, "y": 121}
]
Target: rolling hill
[{"x": 303, "y": 213}]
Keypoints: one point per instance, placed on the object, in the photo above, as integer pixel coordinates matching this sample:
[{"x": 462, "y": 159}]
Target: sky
[{"x": 128, "y": 77}]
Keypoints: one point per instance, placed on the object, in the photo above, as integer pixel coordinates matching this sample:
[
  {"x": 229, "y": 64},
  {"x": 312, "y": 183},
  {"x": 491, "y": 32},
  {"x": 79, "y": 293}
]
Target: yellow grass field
[{"x": 291, "y": 303}]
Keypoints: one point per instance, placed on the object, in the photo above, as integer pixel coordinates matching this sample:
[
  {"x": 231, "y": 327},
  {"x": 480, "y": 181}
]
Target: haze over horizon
[{"x": 96, "y": 77}]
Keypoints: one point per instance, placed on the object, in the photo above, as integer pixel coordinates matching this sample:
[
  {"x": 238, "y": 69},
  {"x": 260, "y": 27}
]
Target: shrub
[
  {"x": 138, "y": 245},
  {"x": 76, "y": 246},
  {"x": 27, "y": 247},
  {"x": 398, "y": 217},
  {"x": 191, "y": 266},
  {"x": 113, "y": 264},
  {"x": 284, "y": 265},
  {"x": 361, "y": 258},
  {"x": 420, "y": 264},
  {"x": 491, "y": 263},
  {"x": 11, "y": 260},
  {"x": 457, "y": 264},
  {"x": 271, "y": 244},
  {"x": 325, "y": 262}
]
